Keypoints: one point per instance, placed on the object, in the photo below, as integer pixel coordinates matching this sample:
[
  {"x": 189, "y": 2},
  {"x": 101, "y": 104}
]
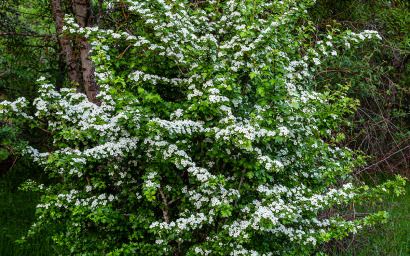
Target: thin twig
[
  {"x": 240, "y": 184},
  {"x": 165, "y": 208}
]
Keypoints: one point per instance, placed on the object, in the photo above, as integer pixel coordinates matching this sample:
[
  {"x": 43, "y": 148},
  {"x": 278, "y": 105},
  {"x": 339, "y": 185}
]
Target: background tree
[{"x": 379, "y": 77}]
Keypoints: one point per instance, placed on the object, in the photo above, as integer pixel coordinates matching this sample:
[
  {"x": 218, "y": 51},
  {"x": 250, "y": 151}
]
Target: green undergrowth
[
  {"x": 16, "y": 214},
  {"x": 17, "y": 210},
  {"x": 391, "y": 238}
]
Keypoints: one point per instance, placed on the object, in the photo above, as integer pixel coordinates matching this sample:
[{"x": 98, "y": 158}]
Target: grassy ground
[
  {"x": 391, "y": 238},
  {"x": 17, "y": 214}
]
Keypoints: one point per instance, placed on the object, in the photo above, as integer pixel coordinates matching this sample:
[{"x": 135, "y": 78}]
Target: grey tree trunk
[
  {"x": 73, "y": 71},
  {"x": 84, "y": 79},
  {"x": 83, "y": 12}
]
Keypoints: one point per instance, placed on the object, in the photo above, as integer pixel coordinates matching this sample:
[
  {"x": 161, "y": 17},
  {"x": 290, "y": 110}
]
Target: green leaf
[{"x": 295, "y": 105}]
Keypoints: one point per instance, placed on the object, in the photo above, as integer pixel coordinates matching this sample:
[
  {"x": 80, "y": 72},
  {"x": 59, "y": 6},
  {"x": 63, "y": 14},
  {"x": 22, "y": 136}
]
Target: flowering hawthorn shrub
[{"x": 212, "y": 142}]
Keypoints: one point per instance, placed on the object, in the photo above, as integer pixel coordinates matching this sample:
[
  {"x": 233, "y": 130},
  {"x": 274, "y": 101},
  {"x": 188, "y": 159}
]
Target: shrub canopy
[{"x": 209, "y": 140}]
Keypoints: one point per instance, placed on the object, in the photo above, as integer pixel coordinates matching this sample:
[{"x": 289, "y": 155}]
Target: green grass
[
  {"x": 391, "y": 238},
  {"x": 396, "y": 239},
  {"x": 17, "y": 210},
  {"x": 16, "y": 215}
]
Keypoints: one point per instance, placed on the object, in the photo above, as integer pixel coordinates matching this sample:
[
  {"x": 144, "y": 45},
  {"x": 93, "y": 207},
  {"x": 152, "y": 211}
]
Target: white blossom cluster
[{"x": 242, "y": 153}]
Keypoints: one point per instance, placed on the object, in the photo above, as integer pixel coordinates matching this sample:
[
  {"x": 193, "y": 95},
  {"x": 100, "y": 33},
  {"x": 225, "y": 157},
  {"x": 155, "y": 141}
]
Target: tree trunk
[
  {"x": 83, "y": 12},
  {"x": 73, "y": 71}
]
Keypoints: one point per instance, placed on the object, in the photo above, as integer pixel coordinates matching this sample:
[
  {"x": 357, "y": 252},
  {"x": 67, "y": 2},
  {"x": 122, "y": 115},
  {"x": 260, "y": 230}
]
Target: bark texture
[
  {"x": 73, "y": 71},
  {"x": 83, "y": 79},
  {"x": 83, "y": 12}
]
